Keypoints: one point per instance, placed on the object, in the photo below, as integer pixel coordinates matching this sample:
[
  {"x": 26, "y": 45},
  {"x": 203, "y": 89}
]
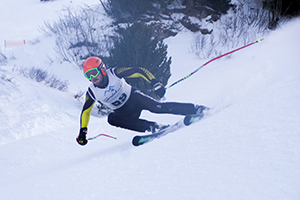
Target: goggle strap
[
  {"x": 101, "y": 69},
  {"x": 90, "y": 77},
  {"x": 100, "y": 66}
]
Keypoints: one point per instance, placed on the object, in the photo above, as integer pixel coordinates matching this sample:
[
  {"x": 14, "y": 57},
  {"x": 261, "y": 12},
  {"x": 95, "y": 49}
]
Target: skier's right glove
[
  {"x": 158, "y": 90},
  {"x": 81, "y": 139}
]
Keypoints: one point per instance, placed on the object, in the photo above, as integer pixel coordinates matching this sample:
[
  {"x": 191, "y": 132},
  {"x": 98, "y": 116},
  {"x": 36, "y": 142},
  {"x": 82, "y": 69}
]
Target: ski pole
[
  {"x": 92, "y": 138},
  {"x": 210, "y": 62}
]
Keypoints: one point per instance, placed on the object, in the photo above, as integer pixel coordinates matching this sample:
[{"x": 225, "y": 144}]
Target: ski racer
[{"x": 109, "y": 87}]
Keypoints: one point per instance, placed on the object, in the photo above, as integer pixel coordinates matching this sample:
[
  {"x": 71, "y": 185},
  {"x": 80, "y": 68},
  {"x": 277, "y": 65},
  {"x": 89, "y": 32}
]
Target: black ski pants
[{"x": 128, "y": 115}]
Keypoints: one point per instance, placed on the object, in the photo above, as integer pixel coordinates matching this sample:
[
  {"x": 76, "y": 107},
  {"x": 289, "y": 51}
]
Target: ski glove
[
  {"x": 81, "y": 139},
  {"x": 159, "y": 90}
]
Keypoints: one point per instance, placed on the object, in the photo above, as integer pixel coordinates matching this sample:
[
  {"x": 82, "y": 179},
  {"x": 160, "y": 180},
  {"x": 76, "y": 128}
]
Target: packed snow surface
[{"x": 248, "y": 148}]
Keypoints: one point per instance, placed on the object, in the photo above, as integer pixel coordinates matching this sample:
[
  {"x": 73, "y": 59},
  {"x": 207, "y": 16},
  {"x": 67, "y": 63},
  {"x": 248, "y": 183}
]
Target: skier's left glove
[
  {"x": 81, "y": 139},
  {"x": 159, "y": 90}
]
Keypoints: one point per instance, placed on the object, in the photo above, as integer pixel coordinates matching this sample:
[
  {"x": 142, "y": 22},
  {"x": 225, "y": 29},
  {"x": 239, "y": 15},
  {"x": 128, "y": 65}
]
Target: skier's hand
[
  {"x": 159, "y": 90},
  {"x": 81, "y": 139}
]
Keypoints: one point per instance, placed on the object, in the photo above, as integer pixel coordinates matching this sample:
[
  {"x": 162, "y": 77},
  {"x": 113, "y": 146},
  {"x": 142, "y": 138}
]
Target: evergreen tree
[
  {"x": 123, "y": 11},
  {"x": 137, "y": 48},
  {"x": 220, "y": 6}
]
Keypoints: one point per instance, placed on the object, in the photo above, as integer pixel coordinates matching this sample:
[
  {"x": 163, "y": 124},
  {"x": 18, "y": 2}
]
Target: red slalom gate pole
[
  {"x": 257, "y": 41},
  {"x": 92, "y": 138}
]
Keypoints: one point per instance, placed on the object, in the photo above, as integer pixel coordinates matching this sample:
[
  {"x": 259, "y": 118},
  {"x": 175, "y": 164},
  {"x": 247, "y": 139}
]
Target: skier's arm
[
  {"x": 86, "y": 111},
  {"x": 134, "y": 72},
  {"x": 84, "y": 119}
]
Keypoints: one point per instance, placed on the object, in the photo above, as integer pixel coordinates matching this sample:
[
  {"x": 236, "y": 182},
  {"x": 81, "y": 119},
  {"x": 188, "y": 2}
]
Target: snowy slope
[
  {"x": 22, "y": 19},
  {"x": 248, "y": 149}
]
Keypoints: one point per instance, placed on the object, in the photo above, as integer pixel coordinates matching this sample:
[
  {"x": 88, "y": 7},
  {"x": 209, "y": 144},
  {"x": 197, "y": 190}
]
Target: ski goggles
[{"x": 92, "y": 73}]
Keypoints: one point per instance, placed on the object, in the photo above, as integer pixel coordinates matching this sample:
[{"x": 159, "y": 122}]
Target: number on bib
[{"x": 121, "y": 100}]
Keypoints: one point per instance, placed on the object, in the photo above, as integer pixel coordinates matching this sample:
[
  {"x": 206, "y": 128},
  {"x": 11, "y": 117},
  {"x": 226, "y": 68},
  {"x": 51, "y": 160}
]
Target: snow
[{"x": 247, "y": 149}]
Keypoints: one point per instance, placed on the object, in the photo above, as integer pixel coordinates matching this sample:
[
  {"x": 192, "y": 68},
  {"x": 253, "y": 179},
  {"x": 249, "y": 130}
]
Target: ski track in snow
[{"x": 248, "y": 148}]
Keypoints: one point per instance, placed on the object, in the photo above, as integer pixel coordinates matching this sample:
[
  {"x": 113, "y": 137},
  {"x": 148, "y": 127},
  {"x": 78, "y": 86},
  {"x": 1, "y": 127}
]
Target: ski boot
[
  {"x": 157, "y": 127},
  {"x": 201, "y": 110}
]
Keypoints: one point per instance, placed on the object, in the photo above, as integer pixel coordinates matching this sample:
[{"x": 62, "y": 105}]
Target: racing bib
[{"x": 115, "y": 94}]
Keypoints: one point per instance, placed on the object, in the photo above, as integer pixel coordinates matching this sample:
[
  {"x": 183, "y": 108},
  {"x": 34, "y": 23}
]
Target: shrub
[
  {"x": 3, "y": 59},
  {"x": 80, "y": 34},
  {"x": 246, "y": 22},
  {"x": 40, "y": 75}
]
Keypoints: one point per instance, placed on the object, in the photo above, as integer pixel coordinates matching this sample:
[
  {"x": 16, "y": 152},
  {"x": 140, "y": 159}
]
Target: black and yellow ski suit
[{"x": 127, "y": 102}]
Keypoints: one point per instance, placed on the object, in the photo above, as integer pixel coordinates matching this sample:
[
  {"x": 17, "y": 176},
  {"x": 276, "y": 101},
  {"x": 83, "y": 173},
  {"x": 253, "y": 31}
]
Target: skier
[{"x": 109, "y": 87}]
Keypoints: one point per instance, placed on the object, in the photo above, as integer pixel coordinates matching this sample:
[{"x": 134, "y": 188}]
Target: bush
[
  {"x": 78, "y": 95},
  {"x": 80, "y": 34},
  {"x": 40, "y": 75},
  {"x": 4, "y": 78},
  {"x": 244, "y": 24},
  {"x": 3, "y": 59}
]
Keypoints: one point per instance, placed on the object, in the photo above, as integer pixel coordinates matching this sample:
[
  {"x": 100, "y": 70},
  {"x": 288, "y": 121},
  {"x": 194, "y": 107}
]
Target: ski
[{"x": 186, "y": 121}]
